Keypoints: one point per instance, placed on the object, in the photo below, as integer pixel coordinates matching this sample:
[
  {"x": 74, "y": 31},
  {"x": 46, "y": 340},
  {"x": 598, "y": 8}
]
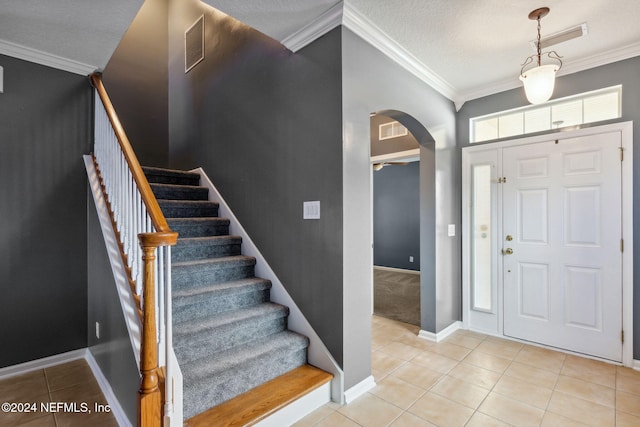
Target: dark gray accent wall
[
  {"x": 45, "y": 128},
  {"x": 374, "y": 83},
  {"x": 265, "y": 124},
  {"x": 625, "y": 72},
  {"x": 113, "y": 351},
  {"x": 396, "y": 216},
  {"x": 136, "y": 79}
]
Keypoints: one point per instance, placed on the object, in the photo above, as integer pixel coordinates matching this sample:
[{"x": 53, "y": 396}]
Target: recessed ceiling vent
[
  {"x": 561, "y": 36},
  {"x": 194, "y": 44}
]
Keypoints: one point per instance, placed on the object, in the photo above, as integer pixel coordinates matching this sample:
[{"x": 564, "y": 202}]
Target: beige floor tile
[
  {"x": 460, "y": 392},
  {"x": 315, "y": 417},
  {"x": 378, "y": 375},
  {"x": 473, "y": 334},
  {"x": 487, "y": 361},
  {"x": 18, "y": 388},
  {"x": 379, "y": 341},
  {"x": 397, "y": 391},
  {"x": 417, "y": 375},
  {"x": 554, "y": 420},
  {"x": 475, "y": 375},
  {"x": 497, "y": 347},
  {"x": 541, "y": 377},
  {"x": 541, "y": 358},
  {"x": 417, "y": 342},
  {"x": 385, "y": 363},
  {"x": 581, "y": 410},
  {"x": 523, "y": 391},
  {"x": 400, "y": 350},
  {"x": 628, "y": 384},
  {"x": 627, "y": 420},
  {"x": 629, "y": 403},
  {"x": 464, "y": 340},
  {"x": 627, "y": 372},
  {"x": 45, "y": 421},
  {"x": 511, "y": 411},
  {"x": 69, "y": 419},
  {"x": 435, "y": 362},
  {"x": 441, "y": 411},
  {"x": 336, "y": 419},
  {"x": 370, "y": 410},
  {"x": 68, "y": 374},
  {"x": 588, "y": 391},
  {"x": 589, "y": 370},
  {"x": 21, "y": 414},
  {"x": 452, "y": 351},
  {"x": 481, "y": 420},
  {"x": 410, "y": 420}
]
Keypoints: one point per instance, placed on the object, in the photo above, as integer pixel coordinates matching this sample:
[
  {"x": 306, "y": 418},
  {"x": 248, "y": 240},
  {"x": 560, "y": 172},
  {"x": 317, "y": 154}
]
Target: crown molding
[
  {"x": 44, "y": 58},
  {"x": 315, "y": 29}
]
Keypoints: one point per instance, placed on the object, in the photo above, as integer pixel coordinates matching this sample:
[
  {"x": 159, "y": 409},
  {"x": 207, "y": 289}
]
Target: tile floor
[
  {"x": 471, "y": 379},
  {"x": 71, "y": 382}
]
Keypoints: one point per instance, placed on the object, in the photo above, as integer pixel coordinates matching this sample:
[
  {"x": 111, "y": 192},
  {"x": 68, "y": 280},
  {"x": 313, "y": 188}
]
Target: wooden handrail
[{"x": 158, "y": 220}]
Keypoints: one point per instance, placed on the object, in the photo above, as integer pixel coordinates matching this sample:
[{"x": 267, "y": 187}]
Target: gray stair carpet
[{"x": 228, "y": 336}]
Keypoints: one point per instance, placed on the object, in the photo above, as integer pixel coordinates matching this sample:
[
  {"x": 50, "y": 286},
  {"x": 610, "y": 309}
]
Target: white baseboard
[
  {"x": 396, "y": 270},
  {"x": 112, "y": 400},
  {"x": 636, "y": 365},
  {"x": 299, "y": 409},
  {"x": 359, "y": 389},
  {"x": 59, "y": 359},
  {"x": 45, "y": 362},
  {"x": 430, "y": 336}
]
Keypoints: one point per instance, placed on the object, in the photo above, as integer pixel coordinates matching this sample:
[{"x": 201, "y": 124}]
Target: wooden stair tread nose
[{"x": 257, "y": 404}]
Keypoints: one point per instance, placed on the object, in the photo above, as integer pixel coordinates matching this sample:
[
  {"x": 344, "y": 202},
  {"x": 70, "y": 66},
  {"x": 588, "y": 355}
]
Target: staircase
[{"x": 228, "y": 337}]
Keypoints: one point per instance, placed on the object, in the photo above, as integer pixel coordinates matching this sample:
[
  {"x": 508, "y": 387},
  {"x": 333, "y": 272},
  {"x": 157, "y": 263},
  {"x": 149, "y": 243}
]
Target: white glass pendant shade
[{"x": 539, "y": 83}]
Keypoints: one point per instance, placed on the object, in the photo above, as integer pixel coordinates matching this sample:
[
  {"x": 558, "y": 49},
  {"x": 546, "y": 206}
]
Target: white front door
[{"x": 561, "y": 243}]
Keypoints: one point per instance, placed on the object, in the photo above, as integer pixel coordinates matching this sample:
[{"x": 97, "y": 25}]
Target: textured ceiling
[{"x": 474, "y": 46}]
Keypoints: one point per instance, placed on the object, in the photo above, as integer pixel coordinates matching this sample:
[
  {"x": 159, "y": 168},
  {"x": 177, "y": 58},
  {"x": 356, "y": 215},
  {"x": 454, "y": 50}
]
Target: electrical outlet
[
  {"x": 410, "y": 259},
  {"x": 98, "y": 330}
]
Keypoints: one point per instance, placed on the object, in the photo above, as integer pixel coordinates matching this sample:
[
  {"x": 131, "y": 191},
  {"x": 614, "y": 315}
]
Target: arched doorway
[{"x": 422, "y": 151}]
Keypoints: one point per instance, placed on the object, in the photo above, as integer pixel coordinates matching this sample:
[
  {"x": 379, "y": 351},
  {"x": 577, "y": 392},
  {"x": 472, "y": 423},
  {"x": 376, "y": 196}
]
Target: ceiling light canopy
[{"x": 539, "y": 81}]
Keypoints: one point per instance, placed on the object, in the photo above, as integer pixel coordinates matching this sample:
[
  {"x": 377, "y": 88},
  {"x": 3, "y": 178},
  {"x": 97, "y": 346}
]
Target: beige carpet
[{"x": 396, "y": 296}]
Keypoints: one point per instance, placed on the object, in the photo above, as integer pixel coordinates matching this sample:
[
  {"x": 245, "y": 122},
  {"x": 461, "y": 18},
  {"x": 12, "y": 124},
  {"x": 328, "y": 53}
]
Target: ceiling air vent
[
  {"x": 561, "y": 36},
  {"x": 194, "y": 44}
]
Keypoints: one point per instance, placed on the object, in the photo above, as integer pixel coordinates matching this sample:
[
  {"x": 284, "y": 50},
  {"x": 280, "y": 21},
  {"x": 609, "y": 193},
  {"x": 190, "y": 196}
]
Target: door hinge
[
  {"x": 621, "y": 153},
  {"x": 621, "y": 245},
  {"x": 622, "y": 336}
]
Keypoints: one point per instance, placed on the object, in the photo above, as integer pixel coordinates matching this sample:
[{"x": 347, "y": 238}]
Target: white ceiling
[{"x": 472, "y": 47}]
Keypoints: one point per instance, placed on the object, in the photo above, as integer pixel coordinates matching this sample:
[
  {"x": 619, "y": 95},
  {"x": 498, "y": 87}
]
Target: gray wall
[
  {"x": 113, "y": 351},
  {"x": 136, "y": 79},
  {"x": 373, "y": 83},
  {"x": 45, "y": 117},
  {"x": 396, "y": 216},
  {"x": 626, "y": 73},
  {"x": 265, "y": 124}
]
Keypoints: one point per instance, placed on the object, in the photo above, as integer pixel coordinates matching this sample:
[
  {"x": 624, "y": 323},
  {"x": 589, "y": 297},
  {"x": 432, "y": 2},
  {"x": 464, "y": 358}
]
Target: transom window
[{"x": 588, "y": 107}]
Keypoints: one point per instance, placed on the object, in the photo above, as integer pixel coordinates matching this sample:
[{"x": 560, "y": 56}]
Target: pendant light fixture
[{"x": 539, "y": 81}]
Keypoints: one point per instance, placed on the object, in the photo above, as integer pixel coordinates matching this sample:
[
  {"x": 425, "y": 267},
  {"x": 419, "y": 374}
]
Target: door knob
[
  {"x": 507, "y": 251},
  {"x": 509, "y": 238}
]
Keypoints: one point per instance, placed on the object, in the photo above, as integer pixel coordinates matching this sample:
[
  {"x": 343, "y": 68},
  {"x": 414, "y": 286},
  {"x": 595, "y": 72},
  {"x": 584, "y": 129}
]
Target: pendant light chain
[{"x": 538, "y": 43}]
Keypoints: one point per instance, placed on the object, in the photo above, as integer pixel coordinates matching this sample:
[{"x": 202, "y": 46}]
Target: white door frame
[{"x": 626, "y": 131}]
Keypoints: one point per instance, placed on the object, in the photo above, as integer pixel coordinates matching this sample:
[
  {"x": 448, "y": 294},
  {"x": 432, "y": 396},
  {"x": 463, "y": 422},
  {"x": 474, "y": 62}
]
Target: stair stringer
[
  {"x": 129, "y": 309},
  {"x": 318, "y": 354}
]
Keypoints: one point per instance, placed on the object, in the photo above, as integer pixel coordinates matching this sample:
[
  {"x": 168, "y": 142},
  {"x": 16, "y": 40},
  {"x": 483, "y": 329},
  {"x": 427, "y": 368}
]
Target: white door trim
[{"x": 626, "y": 131}]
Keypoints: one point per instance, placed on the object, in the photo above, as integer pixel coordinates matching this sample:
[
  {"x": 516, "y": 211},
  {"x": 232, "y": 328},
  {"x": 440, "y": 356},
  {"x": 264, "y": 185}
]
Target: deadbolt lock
[{"x": 509, "y": 238}]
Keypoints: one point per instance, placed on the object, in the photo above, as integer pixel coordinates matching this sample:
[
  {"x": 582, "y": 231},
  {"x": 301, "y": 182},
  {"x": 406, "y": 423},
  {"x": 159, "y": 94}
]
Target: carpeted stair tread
[
  {"x": 227, "y": 319},
  {"x": 188, "y": 208},
  {"x": 199, "y": 227},
  {"x": 211, "y": 270},
  {"x": 195, "y": 248},
  {"x": 193, "y": 303},
  {"x": 170, "y": 176},
  {"x": 211, "y": 381},
  {"x": 210, "y": 337},
  {"x": 179, "y": 192}
]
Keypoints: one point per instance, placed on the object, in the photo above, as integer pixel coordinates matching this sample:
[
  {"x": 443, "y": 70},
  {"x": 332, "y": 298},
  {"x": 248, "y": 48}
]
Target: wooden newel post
[{"x": 149, "y": 394}]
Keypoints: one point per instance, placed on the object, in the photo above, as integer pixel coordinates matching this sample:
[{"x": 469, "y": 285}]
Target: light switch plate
[
  {"x": 451, "y": 230},
  {"x": 311, "y": 210},
  {"x": 1, "y": 80}
]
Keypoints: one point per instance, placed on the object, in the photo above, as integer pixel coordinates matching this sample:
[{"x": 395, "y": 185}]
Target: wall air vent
[
  {"x": 194, "y": 44},
  {"x": 561, "y": 36},
  {"x": 391, "y": 130}
]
